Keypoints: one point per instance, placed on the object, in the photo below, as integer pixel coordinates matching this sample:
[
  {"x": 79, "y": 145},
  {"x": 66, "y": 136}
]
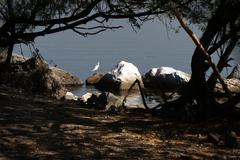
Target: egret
[{"x": 96, "y": 67}]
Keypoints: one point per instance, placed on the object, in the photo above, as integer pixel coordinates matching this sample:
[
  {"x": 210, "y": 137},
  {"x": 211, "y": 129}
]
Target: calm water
[{"x": 152, "y": 46}]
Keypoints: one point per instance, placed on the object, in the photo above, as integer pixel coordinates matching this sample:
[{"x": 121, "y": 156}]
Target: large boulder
[
  {"x": 65, "y": 78},
  {"x": 35, "y": 75},
  {"x": 235, "y": 72},
  {"x": 120, "y": 78},
  {"x": 165, "y": 78},
  {"x": 41, "y": 78}
]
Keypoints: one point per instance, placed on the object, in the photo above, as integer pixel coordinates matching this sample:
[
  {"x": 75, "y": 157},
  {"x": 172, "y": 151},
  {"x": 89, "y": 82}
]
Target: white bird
[{"x": 96, "y": 67}]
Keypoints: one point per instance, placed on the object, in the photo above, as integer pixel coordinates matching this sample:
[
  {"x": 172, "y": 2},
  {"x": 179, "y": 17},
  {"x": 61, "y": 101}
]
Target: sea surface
[{"x": 154, "y": 45}]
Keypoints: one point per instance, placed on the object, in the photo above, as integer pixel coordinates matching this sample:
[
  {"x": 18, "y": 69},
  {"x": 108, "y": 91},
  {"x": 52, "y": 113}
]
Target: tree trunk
[
  {"x": 9, "y": 53},
  {"x": 197, "y": 84}
]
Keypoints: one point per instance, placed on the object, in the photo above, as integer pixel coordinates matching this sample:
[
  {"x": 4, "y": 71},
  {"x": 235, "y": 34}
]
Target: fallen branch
[{"x": 141, "y": 91}]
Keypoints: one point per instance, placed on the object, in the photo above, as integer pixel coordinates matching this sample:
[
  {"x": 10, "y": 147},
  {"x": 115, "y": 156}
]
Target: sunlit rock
[
  {"x": 233, "y": 85},
  {"x": 165, "y": 78},
  {"x": 16, "y": 58},
  {"x": 94, "y": 79},
  {"x": 70, "y": 96},
  {"x": 85, "y": 97},
  {"x": 88, "y": 95},
  {"x": 120, "y": 78}
]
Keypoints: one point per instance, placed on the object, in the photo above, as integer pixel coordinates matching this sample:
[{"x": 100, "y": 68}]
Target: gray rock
[
  {"x": 235, "y": 72},
  {"x": 65, "y": 78},
  {"x": 35, "y": 75},
  {"x": 165, "y": 78},
  {"x": 41, "y": 78}
]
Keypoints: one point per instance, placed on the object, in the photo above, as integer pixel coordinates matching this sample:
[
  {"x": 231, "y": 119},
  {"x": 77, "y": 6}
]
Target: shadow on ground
[{"x": 42, "y": 129}]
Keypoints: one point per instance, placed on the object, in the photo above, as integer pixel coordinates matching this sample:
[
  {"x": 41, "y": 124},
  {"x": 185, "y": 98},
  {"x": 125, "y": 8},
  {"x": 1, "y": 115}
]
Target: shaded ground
[{"x": 35, "y": 128}]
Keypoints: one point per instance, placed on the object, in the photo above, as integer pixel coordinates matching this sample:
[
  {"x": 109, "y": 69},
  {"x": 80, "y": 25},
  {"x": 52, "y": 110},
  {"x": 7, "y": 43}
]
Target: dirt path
[{"x": 39, "y": 129}]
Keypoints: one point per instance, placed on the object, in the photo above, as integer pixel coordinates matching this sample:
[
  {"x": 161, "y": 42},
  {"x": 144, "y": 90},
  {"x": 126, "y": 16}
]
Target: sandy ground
[{"x": 36, "y": 128}]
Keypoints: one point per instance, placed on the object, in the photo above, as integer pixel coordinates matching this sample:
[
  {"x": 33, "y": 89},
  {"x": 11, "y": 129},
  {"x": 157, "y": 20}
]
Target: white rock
[
  {"x": 162, "y": 70},
  {"x": 127, "y": 73},
  {"x": 165, "y": 77},
  {"x": 86, "y": 96},
  {"x": 71, "y": 96},
  {"x": 120, "y": 78}
]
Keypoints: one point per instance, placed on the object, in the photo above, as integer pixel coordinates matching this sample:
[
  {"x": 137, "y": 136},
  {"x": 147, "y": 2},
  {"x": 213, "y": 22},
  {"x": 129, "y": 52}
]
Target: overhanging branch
[{"x": 203, "y": 51}]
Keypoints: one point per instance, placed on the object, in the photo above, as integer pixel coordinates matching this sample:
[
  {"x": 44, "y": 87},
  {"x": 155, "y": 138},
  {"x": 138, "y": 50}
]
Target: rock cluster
[{"x": 102, "y": 101}]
